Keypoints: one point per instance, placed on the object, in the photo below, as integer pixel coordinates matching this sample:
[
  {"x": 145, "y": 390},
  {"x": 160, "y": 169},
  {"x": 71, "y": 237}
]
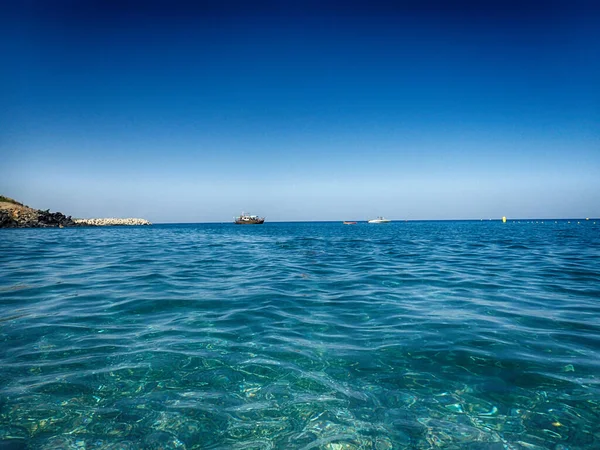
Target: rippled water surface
[{"x": 416, "y": 335}]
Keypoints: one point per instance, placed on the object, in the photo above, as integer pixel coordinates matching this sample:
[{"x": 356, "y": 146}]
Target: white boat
[{"x": 380, "y": 220}]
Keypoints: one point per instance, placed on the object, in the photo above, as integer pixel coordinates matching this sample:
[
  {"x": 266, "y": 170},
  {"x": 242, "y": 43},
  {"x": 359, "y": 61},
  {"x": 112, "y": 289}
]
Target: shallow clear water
[{"x": 476, "y": 335}]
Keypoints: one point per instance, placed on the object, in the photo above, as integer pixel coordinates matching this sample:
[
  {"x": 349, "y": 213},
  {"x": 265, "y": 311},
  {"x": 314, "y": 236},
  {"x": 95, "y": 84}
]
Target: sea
[{"x": 476, "y": 335}]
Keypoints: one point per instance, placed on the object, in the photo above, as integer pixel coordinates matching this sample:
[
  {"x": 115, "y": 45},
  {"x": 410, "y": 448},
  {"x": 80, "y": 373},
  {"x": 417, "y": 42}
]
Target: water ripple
[{"x": 306, "y": 335}]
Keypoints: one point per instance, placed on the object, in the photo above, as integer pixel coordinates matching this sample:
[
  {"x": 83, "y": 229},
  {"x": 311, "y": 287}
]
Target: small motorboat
[
  {"x": 349, "y": 223},
  {"x": 380, "y": 219}
]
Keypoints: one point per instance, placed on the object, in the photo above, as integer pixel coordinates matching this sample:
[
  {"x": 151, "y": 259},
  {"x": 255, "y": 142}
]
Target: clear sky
[{"x": 302, "y": 110}]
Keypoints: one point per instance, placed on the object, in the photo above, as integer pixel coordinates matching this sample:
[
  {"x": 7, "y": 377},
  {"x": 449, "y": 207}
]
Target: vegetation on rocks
[{"x": 10, "y": 200}]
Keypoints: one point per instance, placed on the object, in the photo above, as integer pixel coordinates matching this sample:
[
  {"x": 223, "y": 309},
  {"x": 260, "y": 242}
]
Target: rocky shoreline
[
  {"x": 16, "y": 215},
  {"x": 32, "y": 218}
]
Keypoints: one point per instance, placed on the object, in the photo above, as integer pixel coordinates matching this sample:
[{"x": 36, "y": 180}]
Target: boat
[
  {"x": 380, "y": 219},
  {"x": 249, "y": 219},
  {"x": 349, "y": 223}
]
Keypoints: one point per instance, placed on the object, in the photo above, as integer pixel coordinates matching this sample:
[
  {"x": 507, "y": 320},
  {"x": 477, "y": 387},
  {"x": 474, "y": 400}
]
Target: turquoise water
[{"x": 416, "y": 335}]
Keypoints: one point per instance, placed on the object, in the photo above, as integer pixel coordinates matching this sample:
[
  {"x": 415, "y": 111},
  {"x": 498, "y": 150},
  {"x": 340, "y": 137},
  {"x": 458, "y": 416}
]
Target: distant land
[{"x": 14, "y": 214}]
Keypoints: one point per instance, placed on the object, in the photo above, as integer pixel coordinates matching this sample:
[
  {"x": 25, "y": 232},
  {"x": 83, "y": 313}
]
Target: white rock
[{"x": 113, "y": 221}]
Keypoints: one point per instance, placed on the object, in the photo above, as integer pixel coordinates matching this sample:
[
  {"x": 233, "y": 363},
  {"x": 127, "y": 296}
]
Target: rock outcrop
[
  {"x": 16, "y": 215},
  {"x": 25, "y": 217}
]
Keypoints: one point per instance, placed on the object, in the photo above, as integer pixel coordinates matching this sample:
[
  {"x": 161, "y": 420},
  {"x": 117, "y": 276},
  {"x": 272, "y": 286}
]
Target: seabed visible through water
[{"x": 411, "y": 335}]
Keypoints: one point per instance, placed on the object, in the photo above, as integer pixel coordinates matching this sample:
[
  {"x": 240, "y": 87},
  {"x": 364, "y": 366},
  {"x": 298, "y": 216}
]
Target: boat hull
[
  {"x": 250, "y": 222},
  {"x": 379, "y": 221}
]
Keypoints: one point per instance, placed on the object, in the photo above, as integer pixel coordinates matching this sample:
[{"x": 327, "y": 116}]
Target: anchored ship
[{"x": 249, "y": 219}]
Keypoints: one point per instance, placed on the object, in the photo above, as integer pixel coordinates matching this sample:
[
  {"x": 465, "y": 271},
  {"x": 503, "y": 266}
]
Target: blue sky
[{"x": 302, "y": 111}]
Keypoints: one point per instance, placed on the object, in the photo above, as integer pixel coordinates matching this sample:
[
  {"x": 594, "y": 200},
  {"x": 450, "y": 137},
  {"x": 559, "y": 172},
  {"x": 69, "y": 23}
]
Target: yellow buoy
[{"x": 504, "y": 219}]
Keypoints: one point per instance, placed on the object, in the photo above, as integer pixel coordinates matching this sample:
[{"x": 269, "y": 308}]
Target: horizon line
[{"x": 583, "y": 219}]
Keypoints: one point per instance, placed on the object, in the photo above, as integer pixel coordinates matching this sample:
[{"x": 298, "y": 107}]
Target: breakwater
[
  {"x": 14, "y": 214},
  {"x": 112, "y": 221}
]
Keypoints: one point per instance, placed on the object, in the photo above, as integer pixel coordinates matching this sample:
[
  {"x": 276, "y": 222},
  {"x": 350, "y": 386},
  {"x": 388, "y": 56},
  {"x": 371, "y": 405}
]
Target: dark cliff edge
[{"x": 16, "y": 215}]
